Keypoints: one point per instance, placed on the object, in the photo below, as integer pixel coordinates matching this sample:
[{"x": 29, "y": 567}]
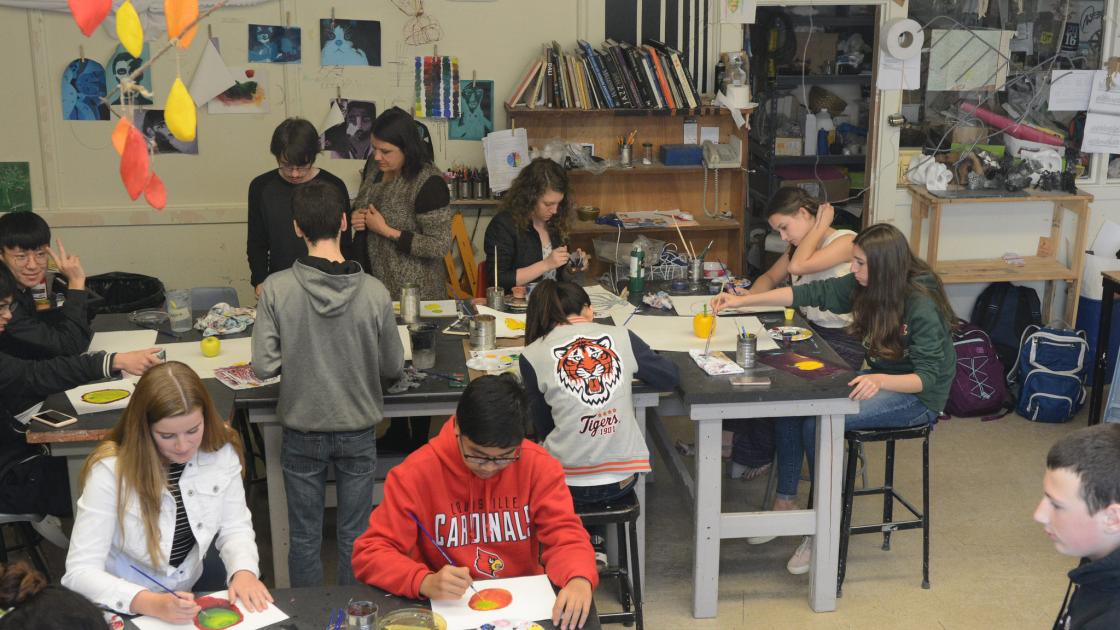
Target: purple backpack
[{"x": 978, "y": 387}]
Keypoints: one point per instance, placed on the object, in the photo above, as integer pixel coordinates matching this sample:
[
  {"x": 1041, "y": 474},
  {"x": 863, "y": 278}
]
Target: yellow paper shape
[
  {"x": 180, "y": 13},
  {"x": 179, "y": 112},
  {"x": 129, "y": 30}
]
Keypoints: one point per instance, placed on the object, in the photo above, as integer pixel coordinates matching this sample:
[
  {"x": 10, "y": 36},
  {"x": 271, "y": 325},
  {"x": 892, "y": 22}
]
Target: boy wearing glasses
[
  {"x": 494, "y": 502},
  {"x": 272, "y": 245}
]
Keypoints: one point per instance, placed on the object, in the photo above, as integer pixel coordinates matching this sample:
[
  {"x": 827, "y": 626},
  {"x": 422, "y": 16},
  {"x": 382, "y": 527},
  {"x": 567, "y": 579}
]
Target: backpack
[
  {"x": 978, "y": 387},
  {"x": 123, "y": 292},
  {"x": 1004, "y": 310},
  {"x": 1050, "y": 373}
]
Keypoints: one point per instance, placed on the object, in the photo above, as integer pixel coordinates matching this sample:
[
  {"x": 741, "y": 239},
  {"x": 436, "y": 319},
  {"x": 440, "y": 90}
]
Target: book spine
[
  {"x": 661, "y": 80},
  {"x": 554, "y": 74},
  {"x": 592, "y": 83},
  {"x": 524, "y": 83},
  {"x": 615, "y": 79},
  {"x": 600, "y": 73},
  {"x": 651, "y": 77},
  {"x": 671, "y": 79},
  {"x": 636, "y": 67},
  {"x": 684, "y": 81},
  {"x": 627, "y": 75}
]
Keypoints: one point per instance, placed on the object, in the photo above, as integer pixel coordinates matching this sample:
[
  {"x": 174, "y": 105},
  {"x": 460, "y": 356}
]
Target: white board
[
  {"x": 533, "y": 599},
  {"x": 674, "y": 334},
  {"x": 252, "y": 620}
]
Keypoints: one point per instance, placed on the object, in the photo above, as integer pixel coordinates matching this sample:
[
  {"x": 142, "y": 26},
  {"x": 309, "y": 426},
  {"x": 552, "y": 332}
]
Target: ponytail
[{"x": 550, "y": 305}]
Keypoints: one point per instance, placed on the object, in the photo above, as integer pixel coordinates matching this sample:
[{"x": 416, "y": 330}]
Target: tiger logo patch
[
  {"x": 589, "y": 368},
  {"x": 488, "y": 563}
]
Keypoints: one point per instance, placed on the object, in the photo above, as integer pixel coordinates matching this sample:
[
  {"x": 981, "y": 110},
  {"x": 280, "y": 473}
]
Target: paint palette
[
  {"x": 797, "y": 333},
  {"x": 412, "y": 619}
]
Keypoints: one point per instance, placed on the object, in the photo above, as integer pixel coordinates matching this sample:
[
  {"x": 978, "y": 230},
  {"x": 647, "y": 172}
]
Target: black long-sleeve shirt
[
  {"x": 58, "y": 332},
  {"x": 515, "y": 248},
  {"x": 272, "y": 244},
  {"x": 21, "y": 379}
]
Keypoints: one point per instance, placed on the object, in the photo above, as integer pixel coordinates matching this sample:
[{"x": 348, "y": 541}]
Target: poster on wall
[
  {"x": 152, "y": 124},
  {"x": 349, "y": 133},
  {"x": 737, "y": 11},
  {"x": 350, "y": 42},
  {"x": 274, "y": 44},
  {"x": 247, "y": 96},
  {"x": 437, "y": 87},
  {"x": 122, "y": 64},
  {"x": 477, "y": 118},
  {"x": 15, "y": 186},
  {"x": 83, "y": 87}
]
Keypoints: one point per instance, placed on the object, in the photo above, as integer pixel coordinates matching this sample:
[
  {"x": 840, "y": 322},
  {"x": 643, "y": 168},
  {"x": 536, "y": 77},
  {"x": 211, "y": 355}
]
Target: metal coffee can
[
  {"x": 746, "y": 350},
  {"x": 410, "y": 303},
  {"x": 481, "y": 331},
  {"x": 695, "y": 270},
  {"x": 496, "y": 298}
]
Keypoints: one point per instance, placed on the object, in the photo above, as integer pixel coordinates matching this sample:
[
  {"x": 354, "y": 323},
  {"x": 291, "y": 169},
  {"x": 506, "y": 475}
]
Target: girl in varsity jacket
[{"x": 579, "y": 376}]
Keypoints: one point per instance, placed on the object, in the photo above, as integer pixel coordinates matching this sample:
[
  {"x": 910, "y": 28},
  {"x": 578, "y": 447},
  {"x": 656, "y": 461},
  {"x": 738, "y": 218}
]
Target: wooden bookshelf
[{"x": 648, "y": 187}]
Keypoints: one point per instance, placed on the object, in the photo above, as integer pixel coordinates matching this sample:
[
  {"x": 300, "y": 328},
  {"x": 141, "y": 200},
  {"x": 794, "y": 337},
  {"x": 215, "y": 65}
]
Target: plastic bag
[
  {"x": 571, "y": 156},
  {"x": 123, "y": 292}
]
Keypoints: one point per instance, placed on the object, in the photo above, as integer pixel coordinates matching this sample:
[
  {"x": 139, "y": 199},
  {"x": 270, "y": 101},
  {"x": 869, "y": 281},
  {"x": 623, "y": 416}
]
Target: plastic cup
[
  {"x": 423, "y": 338},
  {"x": 361, "y": 615},
  {"x": 179, "y": 309}
]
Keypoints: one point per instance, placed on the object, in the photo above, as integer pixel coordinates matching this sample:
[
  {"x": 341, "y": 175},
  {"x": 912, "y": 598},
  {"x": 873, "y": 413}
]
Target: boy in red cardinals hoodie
[{"x": 494, "y": 501}]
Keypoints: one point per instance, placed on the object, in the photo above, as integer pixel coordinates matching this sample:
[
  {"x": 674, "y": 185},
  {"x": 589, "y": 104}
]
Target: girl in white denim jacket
[{"x": 155, "y": 494}]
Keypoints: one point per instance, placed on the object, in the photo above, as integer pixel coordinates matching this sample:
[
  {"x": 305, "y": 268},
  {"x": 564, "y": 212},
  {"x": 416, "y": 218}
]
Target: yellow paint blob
[
  {"x": 104, "y": 396},
  {"x": 179, "y": 112},
  {"x": 808, "y": 366},
  {"x": 514, "y": 324},
  {"x": 129, "y": 30}
]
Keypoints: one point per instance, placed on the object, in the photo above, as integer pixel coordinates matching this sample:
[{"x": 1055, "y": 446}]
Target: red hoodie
[{"x": 498, "y": 526}]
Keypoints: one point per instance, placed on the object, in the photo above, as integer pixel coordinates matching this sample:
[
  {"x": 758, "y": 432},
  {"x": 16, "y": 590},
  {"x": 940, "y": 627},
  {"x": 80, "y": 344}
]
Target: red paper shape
[
  {"x": 179, "y": 14},
  {"x": 134, "y": 163},
  {"x": 155, "y": 193},
  {"x": 89, "y": 14}
]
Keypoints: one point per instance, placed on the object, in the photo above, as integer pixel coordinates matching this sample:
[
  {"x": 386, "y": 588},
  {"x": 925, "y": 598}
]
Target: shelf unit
[
  {"x": 653, "y": 187},
  {"x": 927, "y": 206}
]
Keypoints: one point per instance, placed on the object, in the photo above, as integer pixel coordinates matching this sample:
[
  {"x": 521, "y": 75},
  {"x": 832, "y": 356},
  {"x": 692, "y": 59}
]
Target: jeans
[
  {"x": 305, "y": 457},
  {"x": 753, "y": 444},
  {"x": 797, "y": 437},
  {"x": 589, "y": 495}
]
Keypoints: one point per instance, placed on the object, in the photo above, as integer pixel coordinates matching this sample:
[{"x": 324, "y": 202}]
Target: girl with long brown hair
[
  {"x": 163, "y": 486},
  {"x": 900, "y": 311}
]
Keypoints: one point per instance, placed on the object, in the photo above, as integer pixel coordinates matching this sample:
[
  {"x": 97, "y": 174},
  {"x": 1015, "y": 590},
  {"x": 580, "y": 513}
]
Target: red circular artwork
[
  {"x": 216, "y": 614},
  {"x": 491, "y": 599}
]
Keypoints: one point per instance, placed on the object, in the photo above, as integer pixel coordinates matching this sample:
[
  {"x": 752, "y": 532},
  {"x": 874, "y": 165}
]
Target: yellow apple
[{"x": 211, "y": 346}]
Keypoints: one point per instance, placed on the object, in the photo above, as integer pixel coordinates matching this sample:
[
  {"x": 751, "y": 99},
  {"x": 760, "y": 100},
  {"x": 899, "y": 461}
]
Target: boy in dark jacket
[{"x": 1080, "y": 512}]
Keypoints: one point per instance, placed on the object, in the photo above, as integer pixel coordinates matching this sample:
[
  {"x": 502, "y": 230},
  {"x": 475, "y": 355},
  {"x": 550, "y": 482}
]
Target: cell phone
[
  {"x": 751, "y": 381},
  {"x": 55, "y": 419}
]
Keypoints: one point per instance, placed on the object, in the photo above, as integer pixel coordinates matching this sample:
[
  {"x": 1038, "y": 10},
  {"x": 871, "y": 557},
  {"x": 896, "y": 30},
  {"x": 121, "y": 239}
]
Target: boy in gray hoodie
[{"x": 334, "y": 325}]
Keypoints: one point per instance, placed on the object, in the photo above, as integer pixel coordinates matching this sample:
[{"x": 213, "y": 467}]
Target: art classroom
[{"x": 825, "y": 294}]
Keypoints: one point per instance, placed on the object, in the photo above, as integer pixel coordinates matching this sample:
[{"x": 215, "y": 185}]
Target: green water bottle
[{"x": 637, "y": 271}]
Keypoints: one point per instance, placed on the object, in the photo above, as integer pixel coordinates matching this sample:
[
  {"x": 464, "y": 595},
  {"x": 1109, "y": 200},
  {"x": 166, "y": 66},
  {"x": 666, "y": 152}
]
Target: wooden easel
[{"x": 466, "y": 255}]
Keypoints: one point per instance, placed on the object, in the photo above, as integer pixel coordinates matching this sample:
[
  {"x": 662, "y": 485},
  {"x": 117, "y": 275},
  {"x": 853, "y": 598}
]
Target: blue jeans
[
  {"x": 589, "y": 495},
  {"x": 305, "y": 457},
  {"x": 797, "y": 437}
]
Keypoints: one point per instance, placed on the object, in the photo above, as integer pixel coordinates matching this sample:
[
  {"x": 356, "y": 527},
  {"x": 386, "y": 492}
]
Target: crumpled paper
[
  {"x": 924, "y": 169},
  {"x": 411, "y": 379},
  {"x": 659, "y": 300},
  {"x": 224, "y": 319}
]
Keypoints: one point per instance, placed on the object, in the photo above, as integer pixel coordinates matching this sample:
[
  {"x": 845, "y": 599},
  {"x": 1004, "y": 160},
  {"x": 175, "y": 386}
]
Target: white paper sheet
[
  {"x": 82, "y": 407},
  {"x": 508, "y": 325},
  {"x": 255, "y": 101},
  {"x": 1070, "y": 89},
  {"x": 742, "y": 12},
  {"x": 533, "y": 599},
  {"x": 211, "y": 77},
  {"x": 689, "y": 305},
  {"x": 898, "y": 74},
  {"x": 964, "y": 60},
  {"x": 406, "y": 341},
  {"x": 607, "y": 304},
  {"x": 252, "y": 621},
  {"x": 233, "y": 351},
  {"x": 1103, "y": 100},
  {"x": 674, "y": 334},
  {"x": 1102, "y": 133},
  {"x": 507, "y": 152},
  {"x": 123, "y": 341},
  {"x": 432, "y": 308},
  {"x": 334, "y": 115}
]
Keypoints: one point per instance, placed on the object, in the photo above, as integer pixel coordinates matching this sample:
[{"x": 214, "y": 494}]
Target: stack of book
[{"x": 618, "y": 76}]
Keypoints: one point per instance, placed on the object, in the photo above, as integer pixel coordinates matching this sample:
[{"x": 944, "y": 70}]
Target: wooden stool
[
  {"x": 856, "y": 440},
  {"x": 623, "y": 513}
]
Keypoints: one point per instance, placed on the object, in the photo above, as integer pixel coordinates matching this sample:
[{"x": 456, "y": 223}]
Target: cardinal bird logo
[{"x": 487, "y": 563}]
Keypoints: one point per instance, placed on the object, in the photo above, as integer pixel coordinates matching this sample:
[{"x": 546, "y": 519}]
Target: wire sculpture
[{"x": 420, "y": 28}]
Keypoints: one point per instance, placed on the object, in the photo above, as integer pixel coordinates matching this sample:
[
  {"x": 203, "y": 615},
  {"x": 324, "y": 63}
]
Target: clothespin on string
[
  {"x": 82, "y": 53},
  {"x": 288, "y": 19}
]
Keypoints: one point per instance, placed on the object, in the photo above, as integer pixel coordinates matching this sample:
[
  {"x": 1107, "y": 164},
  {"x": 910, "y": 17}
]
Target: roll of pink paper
[{"x": 1022, "y": 132}]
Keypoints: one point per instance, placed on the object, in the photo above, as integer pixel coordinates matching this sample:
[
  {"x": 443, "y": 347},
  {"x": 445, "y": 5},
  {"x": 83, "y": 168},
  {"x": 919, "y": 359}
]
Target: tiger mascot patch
[
  {"x": 589, "y": 368},
  {"x": 488, "y": 563}
]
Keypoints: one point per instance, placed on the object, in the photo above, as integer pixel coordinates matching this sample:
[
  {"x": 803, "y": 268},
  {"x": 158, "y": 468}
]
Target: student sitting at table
[
  {"x": 900, "y": 310},
  {"x": 492, "y": 501},
  {"x": 32, "y": 603},
  {"x": 530, "y": 230},
  {"x": 163, "y": 486},
  {"x": 329, "y": 327}
]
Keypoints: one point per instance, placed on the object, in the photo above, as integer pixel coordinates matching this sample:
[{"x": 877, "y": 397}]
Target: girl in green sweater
[{"x": 900, "y": 311}]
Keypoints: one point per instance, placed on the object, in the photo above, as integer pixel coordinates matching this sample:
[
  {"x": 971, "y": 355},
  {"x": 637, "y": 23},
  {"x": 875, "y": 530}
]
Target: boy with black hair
[
  {"x": 495, "y": 502},
  {"x": 272, "y": 245},
  {"x": 41, "y": 334},
  {"x": 330, "y": 328},
  {"x": 1080, "y": 512}
]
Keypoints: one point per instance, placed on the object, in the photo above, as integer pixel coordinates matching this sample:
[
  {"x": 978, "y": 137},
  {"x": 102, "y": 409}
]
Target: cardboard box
[
  {"x": 833, "y": 189},
  {"x": 787, "y": 146},
  {"x": 820, "y": 55}
]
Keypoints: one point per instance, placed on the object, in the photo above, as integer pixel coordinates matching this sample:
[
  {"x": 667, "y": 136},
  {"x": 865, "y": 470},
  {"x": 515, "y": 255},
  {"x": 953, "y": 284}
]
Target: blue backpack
[{"x": 1050, "y": 373}]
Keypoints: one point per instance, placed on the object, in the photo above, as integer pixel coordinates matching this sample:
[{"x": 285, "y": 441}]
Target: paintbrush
[
  {"x": 436, "y": 545},
  {"x": 155, "y": 581},
  {"x": 711, "y": 331}
]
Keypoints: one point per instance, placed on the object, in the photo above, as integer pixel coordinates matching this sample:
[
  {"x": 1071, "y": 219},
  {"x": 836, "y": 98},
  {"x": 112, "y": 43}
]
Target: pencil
[
  {"x": 630, "y": 317},
  {"x": 684, "y": 243},
  {"x": 436, "y": 545},
  {"x": 155, "y": 581}
]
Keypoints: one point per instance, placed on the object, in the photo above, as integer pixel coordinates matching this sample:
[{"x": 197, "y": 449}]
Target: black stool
[
  {"x": 856, "y": 440},
  {"x": 623, "y": 513}
]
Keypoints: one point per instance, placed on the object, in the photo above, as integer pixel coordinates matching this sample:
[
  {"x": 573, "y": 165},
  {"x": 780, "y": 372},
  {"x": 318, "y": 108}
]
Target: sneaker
[
  {"x": 799, "y": 563},
  {"x": 759, "y": 540},
  {"x": 747, "y": 473},
  {"x": 600, "y": 561}
]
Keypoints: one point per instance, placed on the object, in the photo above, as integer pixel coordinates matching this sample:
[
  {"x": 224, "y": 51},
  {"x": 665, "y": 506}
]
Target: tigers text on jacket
[
  {"x": 98, "y": 563},
  {"x": 579, "y": 379},
  {"x": 500, "y": 527}
]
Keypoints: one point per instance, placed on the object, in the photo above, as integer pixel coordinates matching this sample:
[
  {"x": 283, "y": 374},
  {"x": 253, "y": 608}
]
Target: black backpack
[
  {"x": 123, "y": 292},
  {"x": 31, "y": 481},
  {"x": 1004, "y": 310}
]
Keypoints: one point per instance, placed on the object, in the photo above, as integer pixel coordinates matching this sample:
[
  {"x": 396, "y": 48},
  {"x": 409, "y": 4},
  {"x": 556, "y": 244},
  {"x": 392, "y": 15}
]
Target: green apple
[{"x": 211, "y": 346}]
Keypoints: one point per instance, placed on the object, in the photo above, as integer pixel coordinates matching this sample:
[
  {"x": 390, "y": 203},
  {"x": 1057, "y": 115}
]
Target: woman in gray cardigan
[{"x": 404, "y": 209}]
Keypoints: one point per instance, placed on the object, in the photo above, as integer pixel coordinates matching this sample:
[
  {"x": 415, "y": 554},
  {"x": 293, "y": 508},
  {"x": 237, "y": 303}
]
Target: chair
[
  {"x": 623, "y": 513},
  {"x": 459, "y": 237},
  {"x": 204, "y": 298},
  {"x": 33, "y": 528},
  {"x": 856, "y": 439}
]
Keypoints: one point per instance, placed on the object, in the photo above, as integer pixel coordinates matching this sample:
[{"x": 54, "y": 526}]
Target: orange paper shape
[
  {"x": 89, "y": 14},
  {"x": 179, "y": 112},
  {"x": 180, "y": 13},
  {"x": 129, "y": 30},
  {"x": 120, "y": 134},
  {"x": 155, "y": 193},
  {"x": 134, "y": 163}
]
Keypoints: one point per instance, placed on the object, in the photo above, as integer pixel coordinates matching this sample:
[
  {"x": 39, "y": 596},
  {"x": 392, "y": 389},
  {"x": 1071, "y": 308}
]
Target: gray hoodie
[{"x": 338, "y": 332}]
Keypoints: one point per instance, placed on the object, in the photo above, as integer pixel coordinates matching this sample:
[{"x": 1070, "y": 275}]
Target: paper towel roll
[{"x": 902, "y": 38}]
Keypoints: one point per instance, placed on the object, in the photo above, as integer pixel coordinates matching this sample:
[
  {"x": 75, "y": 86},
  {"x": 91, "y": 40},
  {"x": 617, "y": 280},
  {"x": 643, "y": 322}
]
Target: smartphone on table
[{"x": 54, "y": 419}]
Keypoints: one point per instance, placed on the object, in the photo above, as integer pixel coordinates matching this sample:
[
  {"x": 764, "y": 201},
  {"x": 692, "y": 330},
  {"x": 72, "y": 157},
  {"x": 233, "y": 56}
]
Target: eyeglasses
[
  {"x": 8, "y": 307},
  {"x": 482, "y": 461},
  {"x": 39, "y": 256},
  {"x": 288, "y": 168}
]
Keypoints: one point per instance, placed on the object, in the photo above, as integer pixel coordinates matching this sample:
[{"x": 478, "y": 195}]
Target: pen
[
  {"x": 436, "y": 545},
  {"x": 155, "y": 581},
  {"x": 631, "y": 316}
]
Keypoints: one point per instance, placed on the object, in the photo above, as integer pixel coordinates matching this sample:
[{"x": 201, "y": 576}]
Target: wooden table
[
  {"x": 1111, "y": 282},
  {"x": 1046, "y": 267}
]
